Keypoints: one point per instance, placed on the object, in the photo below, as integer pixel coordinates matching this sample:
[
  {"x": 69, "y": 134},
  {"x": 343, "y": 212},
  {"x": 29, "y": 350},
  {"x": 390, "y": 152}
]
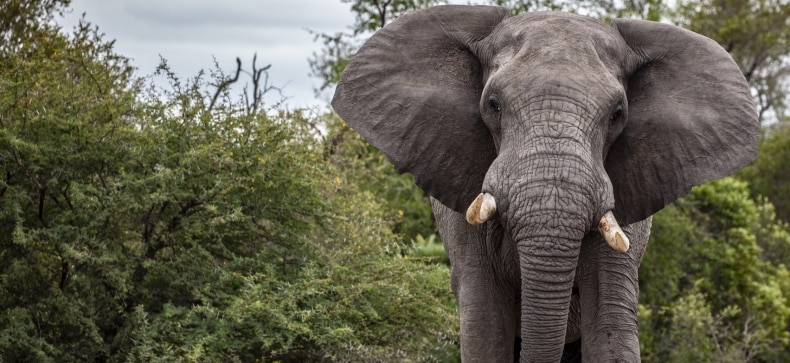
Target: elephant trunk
[
  {"x": 548, "y": 261},
  {"x": 555, "y": 199}
]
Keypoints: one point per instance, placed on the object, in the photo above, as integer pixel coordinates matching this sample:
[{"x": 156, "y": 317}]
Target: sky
[{"x": 191, "y": 33}]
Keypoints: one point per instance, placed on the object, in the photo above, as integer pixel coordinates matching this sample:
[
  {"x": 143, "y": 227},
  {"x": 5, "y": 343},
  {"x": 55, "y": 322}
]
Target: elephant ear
[
  {"x": 691, "y": 119},
  {"x": 413, "y": 91}
]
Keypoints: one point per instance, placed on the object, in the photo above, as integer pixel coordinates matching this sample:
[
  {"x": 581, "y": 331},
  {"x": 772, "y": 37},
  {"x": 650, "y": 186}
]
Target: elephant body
[
  {"x": 486, "y": 282},
  {"x": 537, "y": 136}
]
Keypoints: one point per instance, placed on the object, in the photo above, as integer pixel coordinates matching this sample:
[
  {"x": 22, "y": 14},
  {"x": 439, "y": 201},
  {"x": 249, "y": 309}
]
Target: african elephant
[{"x": 535, "y": 135}]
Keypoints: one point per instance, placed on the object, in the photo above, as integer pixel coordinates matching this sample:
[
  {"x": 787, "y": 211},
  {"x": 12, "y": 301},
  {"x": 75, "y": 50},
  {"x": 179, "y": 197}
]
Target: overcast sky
[{"x": 189, "y": 32}]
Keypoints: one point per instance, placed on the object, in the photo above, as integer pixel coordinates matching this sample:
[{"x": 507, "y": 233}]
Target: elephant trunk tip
[
  {"x": 612, "y": 233},
  {"x": 481, "y": 209}
]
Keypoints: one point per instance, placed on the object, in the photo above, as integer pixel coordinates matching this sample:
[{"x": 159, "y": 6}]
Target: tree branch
[
  {"x": 42, "y": 194},
  {"x": 257, "y": 92},
  {"x": 225, "y": 84}
]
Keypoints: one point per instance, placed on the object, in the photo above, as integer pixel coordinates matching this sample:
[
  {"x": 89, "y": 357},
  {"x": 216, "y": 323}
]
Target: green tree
[
  {"x": 706, "y": 274},
  {"x": 769, "y": 175},
  {"x": 281, "y": 258},
  {"x": 365, "y": 166},
  {"x": 186, "y": 224},
  {"x": 64, "y": 135},
  {"x": 19, "y": 18}
]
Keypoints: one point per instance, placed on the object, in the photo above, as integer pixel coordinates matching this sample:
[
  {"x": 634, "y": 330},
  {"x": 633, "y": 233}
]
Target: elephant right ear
[{"x": 413, "y": 91}]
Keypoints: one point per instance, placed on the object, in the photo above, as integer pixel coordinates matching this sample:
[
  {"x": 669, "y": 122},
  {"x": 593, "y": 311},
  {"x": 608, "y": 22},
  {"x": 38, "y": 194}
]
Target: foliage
[
  {"x": 329, "y": 64},
  {"x": 707, "y": 279},
  {"x": 142, "y": 224},
  {"x": 369, "y": 169},
  {"x": 64, "y": 135},
  {"x": 653, "y": 10},
  {"x": 769, "y": 175},
  {"x": 429, "y": 249},
  {"x": 19, "y": 18}
]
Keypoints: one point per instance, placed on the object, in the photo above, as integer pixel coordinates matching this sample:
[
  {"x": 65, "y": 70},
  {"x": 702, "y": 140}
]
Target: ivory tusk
[
  {"x": 481, "y": 209},
  {"x": 612, "y": 232}
]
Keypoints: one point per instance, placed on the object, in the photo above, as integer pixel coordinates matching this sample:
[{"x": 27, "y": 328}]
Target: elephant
[{"x": 546, "y": 141}]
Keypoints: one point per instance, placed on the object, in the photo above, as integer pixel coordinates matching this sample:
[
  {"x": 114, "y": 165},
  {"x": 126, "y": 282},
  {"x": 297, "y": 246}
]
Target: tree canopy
[{"x": 181, "y": 224}]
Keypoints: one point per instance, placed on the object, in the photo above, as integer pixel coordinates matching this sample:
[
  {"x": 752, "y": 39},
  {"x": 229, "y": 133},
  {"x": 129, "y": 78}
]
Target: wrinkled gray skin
[{"x": 560, "y": 118}]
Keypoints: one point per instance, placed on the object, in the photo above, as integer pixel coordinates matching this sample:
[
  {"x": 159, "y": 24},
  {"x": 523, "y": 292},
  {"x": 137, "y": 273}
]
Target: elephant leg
[
  {"x": 482, "y": 264},
  {"x": 609, "y": 289}
]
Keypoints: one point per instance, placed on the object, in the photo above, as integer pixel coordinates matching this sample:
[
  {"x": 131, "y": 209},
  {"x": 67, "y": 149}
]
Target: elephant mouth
[{"x": 484, "y": 207}]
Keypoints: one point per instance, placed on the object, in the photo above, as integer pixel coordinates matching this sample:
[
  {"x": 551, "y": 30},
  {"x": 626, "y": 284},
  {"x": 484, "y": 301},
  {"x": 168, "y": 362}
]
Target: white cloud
[{"x": 188, "y": 33}]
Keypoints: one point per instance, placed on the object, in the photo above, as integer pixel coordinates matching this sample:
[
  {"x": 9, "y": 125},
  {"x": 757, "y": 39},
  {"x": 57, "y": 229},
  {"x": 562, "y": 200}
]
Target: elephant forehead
[{"x": 557, "y": 38}]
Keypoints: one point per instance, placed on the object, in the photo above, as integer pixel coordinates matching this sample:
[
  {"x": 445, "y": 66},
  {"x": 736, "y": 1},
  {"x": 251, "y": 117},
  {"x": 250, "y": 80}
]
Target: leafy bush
[
  {"x": 141, "y": 224},
  {"x": 709, "y": 289}
]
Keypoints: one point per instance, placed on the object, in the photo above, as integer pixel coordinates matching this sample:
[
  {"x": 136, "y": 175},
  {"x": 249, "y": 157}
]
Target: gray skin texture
[
  {"x": 560, "y": 118},
  {"x": 486, "y": 281}
]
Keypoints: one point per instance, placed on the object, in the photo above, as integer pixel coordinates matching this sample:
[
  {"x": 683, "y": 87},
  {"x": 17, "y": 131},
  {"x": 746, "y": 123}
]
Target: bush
[
  {"x": 710, "y": 292},
  {"x": 141, "y": 224}
]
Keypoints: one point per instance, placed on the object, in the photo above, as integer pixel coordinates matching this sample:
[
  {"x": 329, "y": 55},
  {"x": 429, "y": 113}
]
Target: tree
[
  {"x": 709, "y": 276},
  {"x": 64, "y": 132},
  {"x": 19, "y": 18},
  {"x": 281, "y": 259},
  {"x": 139, "y": 223},
  {"x": 769, "y": 175},
  {"x": 369, "y": 169}
]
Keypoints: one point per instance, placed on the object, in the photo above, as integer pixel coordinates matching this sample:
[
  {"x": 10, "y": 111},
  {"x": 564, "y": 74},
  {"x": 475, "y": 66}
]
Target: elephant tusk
[
  {"x": 481, "y": 209},
  {"x": 612, "y": 232}
]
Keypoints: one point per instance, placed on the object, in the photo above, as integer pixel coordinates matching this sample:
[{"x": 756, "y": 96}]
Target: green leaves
[
  {"x": 709, "y": 289},
  {"x": 141, "y": 224},
  {"x": 768, "y": 176}
]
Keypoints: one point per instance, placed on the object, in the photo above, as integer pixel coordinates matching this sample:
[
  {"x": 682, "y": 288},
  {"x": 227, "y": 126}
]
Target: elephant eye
[
  {"x": 493, "y": 103},
  {"x": 617, "y": 114}
]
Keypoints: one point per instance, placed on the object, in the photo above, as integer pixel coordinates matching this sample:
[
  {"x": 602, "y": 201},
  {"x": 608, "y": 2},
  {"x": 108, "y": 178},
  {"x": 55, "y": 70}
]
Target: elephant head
[{"x": 553, "y": 123}]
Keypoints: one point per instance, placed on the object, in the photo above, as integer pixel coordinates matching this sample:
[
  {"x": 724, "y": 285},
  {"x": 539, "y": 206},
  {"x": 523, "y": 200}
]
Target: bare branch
[
  {"x": 258, "y": 90},
  {"x": 225, "y": 84}
]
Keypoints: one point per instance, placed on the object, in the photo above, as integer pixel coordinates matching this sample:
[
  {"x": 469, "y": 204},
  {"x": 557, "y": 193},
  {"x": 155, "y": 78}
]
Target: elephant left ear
[{"x": 691, "y": 118}]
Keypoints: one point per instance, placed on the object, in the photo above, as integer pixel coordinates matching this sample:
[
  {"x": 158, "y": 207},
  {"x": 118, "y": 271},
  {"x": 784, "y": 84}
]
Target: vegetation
[
  {"x": 193, "y": 224},
  {"x": 144, "y": 224},
  {"x": 714, "y": 284}
]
